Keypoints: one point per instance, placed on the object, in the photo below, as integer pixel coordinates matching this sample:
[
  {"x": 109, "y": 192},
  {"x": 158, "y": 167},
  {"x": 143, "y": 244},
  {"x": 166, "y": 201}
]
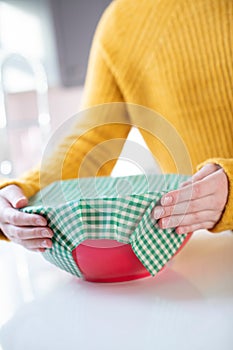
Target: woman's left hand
[{"x": 197, "y": 204}]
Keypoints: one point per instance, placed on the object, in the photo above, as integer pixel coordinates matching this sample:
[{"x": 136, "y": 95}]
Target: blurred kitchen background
[{"x": 44, "y": 48}]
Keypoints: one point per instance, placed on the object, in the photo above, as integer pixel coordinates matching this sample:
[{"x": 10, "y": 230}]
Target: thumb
[
  {"x": 206, "y": 170},
  {"x": 15, "y": 196}
]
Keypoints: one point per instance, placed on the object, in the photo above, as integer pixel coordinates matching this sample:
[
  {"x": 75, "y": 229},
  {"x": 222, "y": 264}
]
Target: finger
[
  {"x": 191, "y": 228},
  {"x": 14, "y": 195},
  {"x": 201, "y": 174},
  {"x": 25, "y": 233},
  {"x": 36, "y": 243},
  {"x": 189, "y": 219},
  {"x": 18, "y": 218},
  {"x": 39, "y": 250},
  {"x": 199, "y": 189},
  {"x": 185, "y": 183},
  {"x": 192, "y": 206},
  {"x": 205, "y": 171}
]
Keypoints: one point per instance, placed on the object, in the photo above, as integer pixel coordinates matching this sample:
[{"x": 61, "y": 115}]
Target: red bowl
[{"x": 106, "y": 260}]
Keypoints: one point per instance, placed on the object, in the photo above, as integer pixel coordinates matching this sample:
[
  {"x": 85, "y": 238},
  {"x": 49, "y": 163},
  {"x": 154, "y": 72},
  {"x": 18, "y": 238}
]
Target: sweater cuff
[
  {"x": 226, "y": 220},
  {"x": 27, "y": 188}
]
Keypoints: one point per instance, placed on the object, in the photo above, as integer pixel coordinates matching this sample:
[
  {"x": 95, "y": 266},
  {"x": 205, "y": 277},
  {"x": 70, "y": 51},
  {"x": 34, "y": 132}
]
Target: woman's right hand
[{"x": 29, "y": 230}]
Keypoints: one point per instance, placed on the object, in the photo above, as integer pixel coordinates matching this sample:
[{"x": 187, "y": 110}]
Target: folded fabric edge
[
  {"x": 63, "y": 259},
  {"x": 154, "y": 246}
]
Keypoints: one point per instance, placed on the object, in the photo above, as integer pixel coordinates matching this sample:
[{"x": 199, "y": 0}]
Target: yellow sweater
[{"x": 171, "y": 56}]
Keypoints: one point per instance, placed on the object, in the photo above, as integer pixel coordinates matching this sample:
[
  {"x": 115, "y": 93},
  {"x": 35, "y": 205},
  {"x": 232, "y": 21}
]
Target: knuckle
[
  {"x": 19, "y": 241},
  {"x": 38, "y": 233},
  {"x": 196, "y": 216},
  {"x": 16, "y": 239},
  {"x": 27, "y": 244},
  {"x": 167, "y": 212},
  {"x": 196, "y": 190},
  {"x": 189, "y": 193},
  {"x": 19, "y": 233},
  {"x": 14, "y": 217},
  {"x": 193, "y": 207}
]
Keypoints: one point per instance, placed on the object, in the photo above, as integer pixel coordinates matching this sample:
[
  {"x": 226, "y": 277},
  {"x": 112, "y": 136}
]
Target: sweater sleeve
[
  {"x": 226, "y": 220},
  {"x": 96, "y": 139}
]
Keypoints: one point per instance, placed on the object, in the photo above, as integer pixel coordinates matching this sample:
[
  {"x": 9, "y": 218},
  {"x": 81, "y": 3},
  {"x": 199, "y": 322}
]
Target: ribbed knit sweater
[{"x": 173, "y": 57}]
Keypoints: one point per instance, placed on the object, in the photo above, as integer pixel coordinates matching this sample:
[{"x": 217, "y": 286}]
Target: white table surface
[{"x": 187, "y": 306}]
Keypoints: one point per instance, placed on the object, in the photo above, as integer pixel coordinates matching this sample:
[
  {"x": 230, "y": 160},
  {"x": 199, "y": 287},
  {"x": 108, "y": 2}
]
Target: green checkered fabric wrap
[{"x": 108, "y": 208}]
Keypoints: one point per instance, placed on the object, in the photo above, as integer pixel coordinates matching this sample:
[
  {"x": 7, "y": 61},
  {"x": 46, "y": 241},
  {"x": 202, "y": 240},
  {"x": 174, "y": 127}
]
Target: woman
[{"x": 173, "y": 57}]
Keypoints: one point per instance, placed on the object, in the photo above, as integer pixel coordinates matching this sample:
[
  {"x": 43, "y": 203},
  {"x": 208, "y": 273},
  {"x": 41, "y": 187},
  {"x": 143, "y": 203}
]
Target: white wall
[{"x": 40, "y": 10}]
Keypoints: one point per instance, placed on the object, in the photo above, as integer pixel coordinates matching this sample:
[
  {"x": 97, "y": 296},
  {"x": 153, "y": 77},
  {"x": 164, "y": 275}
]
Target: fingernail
[
  {"x": 164, "y": 223},
  {"x": 46, "y": 233},
  {"x": 158, "y": 212},
  {"x": 20, "y": 202},
  {"x": 40, "y": 222},
  {"x": 21, "y": 199},
  {"x": 45, "y": 244},
  {"x": 180, "y": 231},
  {"x": 166, "y": 200}
]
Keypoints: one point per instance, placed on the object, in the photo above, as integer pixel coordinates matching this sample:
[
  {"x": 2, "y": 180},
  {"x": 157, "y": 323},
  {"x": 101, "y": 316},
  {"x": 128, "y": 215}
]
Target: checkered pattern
[{"x": 108, "y": 208}]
